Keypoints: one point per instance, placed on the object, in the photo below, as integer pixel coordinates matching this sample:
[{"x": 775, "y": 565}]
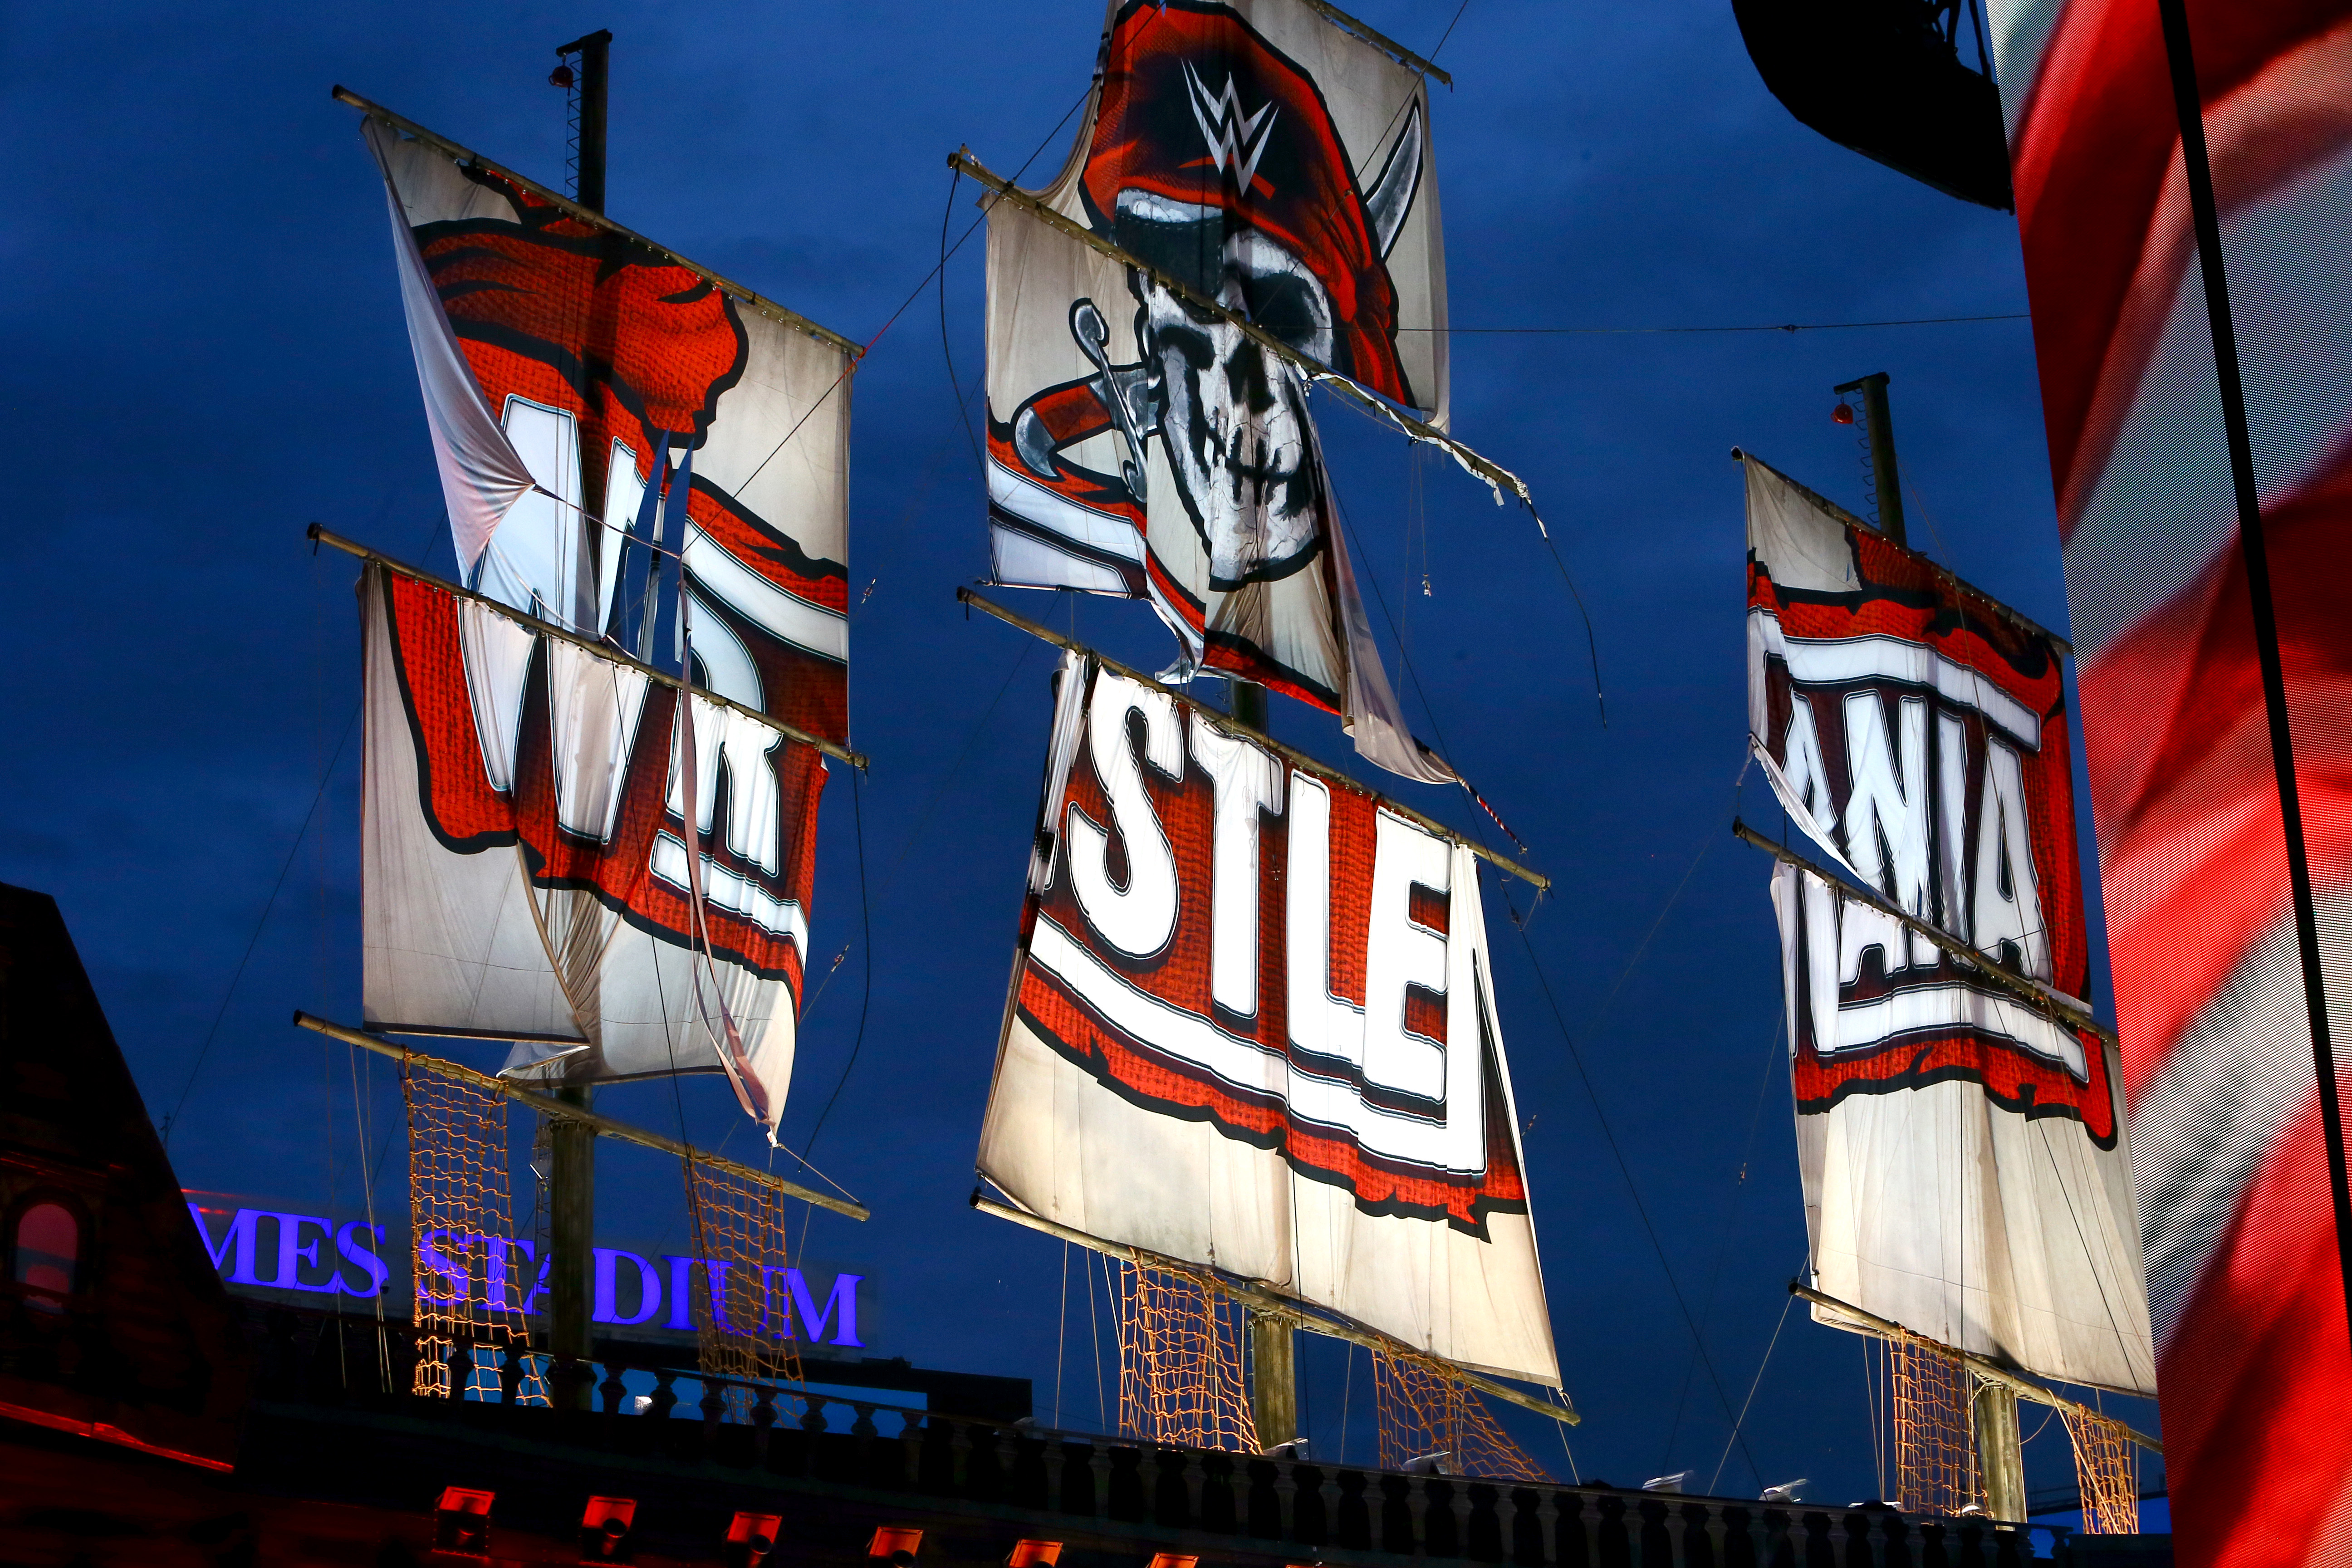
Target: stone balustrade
[{"x": 771, "y": 1435}]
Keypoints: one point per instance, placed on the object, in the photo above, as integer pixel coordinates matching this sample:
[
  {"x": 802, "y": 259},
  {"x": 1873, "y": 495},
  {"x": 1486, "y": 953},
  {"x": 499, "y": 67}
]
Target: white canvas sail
[
  {"x": 561, "y": 850},
  {"x": 546, "y": 896},
  {"x": 1270, "y": 160},
  {"x": 1253, "y": 578},
  {"x": 1265, "y": 158},
  {"x": 1267, "y": 1043},
  {"x": 598, "y": 354},
  {"x": 1965, "y": 1170}
]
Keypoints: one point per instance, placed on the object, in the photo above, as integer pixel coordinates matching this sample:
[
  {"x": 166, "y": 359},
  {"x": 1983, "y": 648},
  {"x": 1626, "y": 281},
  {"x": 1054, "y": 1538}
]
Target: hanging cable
[
  {"x": 939, "y": 792},
  {"x": 1752, "y": 1387},
  {"x": 947, "y": 348},
  {"x": 1412, "y": 673},
  {"x": 865, "y": 1002},
  {"x": 1062, "y": 1335},
  {"x": 251, "y": 942},
  {"x": 1676, "y": 332},
  {"x": 1632, "y": 1188}
]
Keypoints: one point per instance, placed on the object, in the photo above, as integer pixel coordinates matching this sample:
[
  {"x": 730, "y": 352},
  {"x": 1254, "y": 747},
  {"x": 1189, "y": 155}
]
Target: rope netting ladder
[
  {"x": 2107, "y": 1468},
  {"x": 1423, "y": 1410},
  {"x": 1180, "y": 1363},
  {"x": 1932, "y": 1402},
  {"x": 743, "y": 1315},
  {"x": 459, "y": 1201}
]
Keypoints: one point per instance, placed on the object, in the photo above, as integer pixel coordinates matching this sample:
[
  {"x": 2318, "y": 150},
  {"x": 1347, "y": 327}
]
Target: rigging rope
[
  {"x": 1062, "y": 1334},
  {"x": 458, "y": 1193},
  {"x": 1424, "y": 1409},
  {"x": 1180, "y": 1363},
  {"x": 1420, "y": 78},
  {"x": 916, "y": 292},
  {"x": 436, "y": 529},
  {"x": 1094, "y": 1331},
  {"x": 1632, "y": 1188},
  {"x": 1379, "y": 413},
  {"x": 742, "y": 1330},
  {"x": 947, "y": 348},
  {"x": 2107, "y": 1472},
  {"x": 1757, "y": 1383},
  {"x": 269, "y": 904},
  {"x": 1935, "y": 1431},
  {"x": 1762, "y": 327},
  {"x": 367, "y": 1197},
  {"x": 1773, "y": 1063}
]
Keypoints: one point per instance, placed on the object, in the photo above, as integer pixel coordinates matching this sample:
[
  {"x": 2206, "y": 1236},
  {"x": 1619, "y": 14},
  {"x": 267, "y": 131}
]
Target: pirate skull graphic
[{"x": 1215, "y": 162}]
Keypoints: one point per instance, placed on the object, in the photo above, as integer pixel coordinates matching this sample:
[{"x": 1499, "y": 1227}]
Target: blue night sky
[{"x": 203, "y": 352}]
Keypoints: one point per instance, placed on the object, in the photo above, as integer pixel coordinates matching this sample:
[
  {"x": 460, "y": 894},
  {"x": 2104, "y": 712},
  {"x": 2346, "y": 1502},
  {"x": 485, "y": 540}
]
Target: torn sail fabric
[
  {"x": 1087, "y": 491},
  {"x": 590, "y": 348},
  {"x": 530, "y": 863},
  {"x": 482, "y": 476},
  {"x": 1269, "y": 159}
]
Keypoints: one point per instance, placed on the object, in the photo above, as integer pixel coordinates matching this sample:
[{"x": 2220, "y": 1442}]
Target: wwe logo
[{"x": 1236, "y": 141}]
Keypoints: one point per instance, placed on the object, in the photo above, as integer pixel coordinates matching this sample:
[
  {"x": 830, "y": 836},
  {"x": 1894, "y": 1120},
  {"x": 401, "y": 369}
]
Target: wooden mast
[
  {"x": 571, "y": 1142},
  {"x": 1885, "y": 478}
]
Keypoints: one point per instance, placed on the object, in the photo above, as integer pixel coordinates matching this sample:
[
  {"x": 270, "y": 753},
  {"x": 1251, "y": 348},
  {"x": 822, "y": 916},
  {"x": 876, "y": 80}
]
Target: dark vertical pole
[
  {"x": 570, "y": 1245},
  {"x": 1249, "y": 704},
  {"x": 571, "y": 1174},
  {"x": 2000, "y": 1455},
  {"x": 1885, "y": 476},
  {"x": 2253, "y": 552},
  {"x": 596, "y": 52},
  {"x": 1274, "y": 1377}
]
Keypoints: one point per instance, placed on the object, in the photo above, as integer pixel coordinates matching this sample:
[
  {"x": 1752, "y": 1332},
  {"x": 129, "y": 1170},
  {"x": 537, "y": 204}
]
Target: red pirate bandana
[
  {"x": 1198, "y": 109},
  {"x": 591, "y": 310}
]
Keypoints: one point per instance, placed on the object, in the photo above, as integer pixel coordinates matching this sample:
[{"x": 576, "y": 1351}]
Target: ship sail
[
  {"x": 1252, "y": 1028},
  {"x": 1959, "y": 1117},
  {"x": 592, "y": 770},
  {"x": 1260, "y": 158}
]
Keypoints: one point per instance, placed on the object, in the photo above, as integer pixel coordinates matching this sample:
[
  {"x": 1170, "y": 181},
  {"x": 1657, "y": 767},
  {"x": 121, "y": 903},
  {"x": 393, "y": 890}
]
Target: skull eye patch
[
  {"x": 1288, "y": 305},
  {"x": 1214, "y": 255}
]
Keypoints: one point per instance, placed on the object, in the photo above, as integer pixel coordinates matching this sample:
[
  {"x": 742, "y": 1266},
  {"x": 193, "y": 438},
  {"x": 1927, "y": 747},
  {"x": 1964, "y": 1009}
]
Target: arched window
[{"x": 48, "y": 1251}]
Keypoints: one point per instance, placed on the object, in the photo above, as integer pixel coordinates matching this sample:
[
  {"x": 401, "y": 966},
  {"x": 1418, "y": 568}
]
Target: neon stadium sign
[{"x": 273, "y": 1249}]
